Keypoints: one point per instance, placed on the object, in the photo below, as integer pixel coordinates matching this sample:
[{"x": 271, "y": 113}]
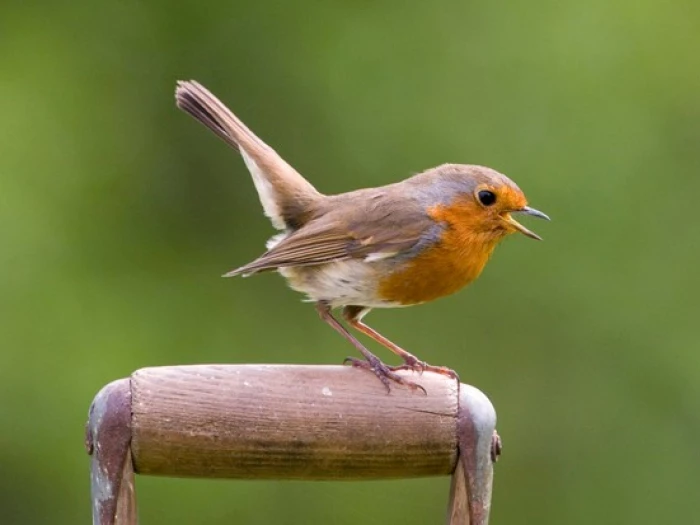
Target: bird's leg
[
  {"x": 353, "y": 315},
  {"x": 373, "y": 363}
]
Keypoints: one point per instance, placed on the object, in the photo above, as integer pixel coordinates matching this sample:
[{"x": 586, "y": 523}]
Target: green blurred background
[{"x": 118, "y": 213}]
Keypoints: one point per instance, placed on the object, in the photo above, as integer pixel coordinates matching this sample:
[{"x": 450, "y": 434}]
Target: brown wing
[{"x": 352, "y": 225}]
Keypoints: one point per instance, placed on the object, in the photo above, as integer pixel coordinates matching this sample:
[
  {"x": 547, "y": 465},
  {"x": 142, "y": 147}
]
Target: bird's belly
[{"x": 340, "y": 283}]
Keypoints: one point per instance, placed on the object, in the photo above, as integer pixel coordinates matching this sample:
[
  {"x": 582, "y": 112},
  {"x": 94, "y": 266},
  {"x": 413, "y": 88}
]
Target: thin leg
[
  {"x": 382, "y": 371},
  {"x": 354, "y": 314}
]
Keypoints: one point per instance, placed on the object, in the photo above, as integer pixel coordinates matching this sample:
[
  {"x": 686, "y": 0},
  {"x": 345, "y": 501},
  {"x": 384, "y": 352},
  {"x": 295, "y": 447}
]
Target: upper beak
[{"x": 522, "y": 229}]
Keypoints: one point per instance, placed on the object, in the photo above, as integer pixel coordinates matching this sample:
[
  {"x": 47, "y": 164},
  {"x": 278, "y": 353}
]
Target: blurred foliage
[{"x": 118, "y": 214}]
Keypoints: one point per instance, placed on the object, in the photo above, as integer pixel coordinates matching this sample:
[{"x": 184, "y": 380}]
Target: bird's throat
[{"x": 455, "y": 260}]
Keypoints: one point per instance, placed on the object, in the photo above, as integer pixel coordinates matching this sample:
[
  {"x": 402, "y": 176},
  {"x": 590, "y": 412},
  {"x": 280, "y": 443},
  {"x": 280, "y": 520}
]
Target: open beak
[{"x": 522, "y": 229}]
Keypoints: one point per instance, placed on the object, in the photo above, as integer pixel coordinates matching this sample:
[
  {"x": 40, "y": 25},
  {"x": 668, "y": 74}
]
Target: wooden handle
[{"x": 291, "y": 422}]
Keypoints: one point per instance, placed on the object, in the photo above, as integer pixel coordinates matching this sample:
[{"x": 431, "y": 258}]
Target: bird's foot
[
  {"x": 386, "y": 374},
  {"x": 413, "y": 363}
]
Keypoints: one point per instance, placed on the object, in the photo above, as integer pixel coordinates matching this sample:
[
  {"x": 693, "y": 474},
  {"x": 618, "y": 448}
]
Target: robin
[{"x": 397, "y": 245}]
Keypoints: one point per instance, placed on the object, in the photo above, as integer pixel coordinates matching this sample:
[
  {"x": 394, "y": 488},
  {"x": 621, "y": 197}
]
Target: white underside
[
  {"x": 266, "y": 192},
  {"x": 340, "y": 283}
]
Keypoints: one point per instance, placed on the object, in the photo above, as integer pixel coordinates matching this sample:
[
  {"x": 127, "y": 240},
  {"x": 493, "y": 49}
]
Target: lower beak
[{"x": 522, "y": 229}]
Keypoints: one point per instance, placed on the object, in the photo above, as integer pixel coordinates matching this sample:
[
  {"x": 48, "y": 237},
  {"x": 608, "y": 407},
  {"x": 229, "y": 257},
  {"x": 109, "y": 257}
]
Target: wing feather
[{"x": 371, "y": 230}]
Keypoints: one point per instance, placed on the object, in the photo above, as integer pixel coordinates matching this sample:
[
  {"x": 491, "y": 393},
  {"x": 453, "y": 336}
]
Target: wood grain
[{"x": 291, "y": 422}]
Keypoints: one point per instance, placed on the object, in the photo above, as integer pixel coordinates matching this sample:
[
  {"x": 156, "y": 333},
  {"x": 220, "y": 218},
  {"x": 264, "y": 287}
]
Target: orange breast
[{"x": 453, "y": 262}]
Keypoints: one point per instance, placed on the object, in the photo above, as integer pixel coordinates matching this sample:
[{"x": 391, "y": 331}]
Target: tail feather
[
  {"x": 286, "y": 196},
  {"x": 192, "y": 106}
]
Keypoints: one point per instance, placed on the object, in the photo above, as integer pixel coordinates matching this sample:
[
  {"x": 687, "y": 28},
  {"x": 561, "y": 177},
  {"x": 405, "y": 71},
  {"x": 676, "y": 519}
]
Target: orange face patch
[{"x": 458, "y": 258}]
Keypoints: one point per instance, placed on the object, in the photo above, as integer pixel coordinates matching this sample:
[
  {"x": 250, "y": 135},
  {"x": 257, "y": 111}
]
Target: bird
[{"x": 402, "y": 244}]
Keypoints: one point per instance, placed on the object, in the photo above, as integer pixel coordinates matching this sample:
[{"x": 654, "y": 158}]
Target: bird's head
[{"x": 480, "y": 199}]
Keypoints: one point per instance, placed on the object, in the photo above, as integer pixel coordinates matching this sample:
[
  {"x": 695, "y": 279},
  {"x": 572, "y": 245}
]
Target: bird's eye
[{"x": 486, "y": 197}]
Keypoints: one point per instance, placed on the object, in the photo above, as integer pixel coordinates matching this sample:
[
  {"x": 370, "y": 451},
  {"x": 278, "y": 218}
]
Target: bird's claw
[
  {"x": 416, "y": 365},
  {"x": 386, "y": 374}
]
